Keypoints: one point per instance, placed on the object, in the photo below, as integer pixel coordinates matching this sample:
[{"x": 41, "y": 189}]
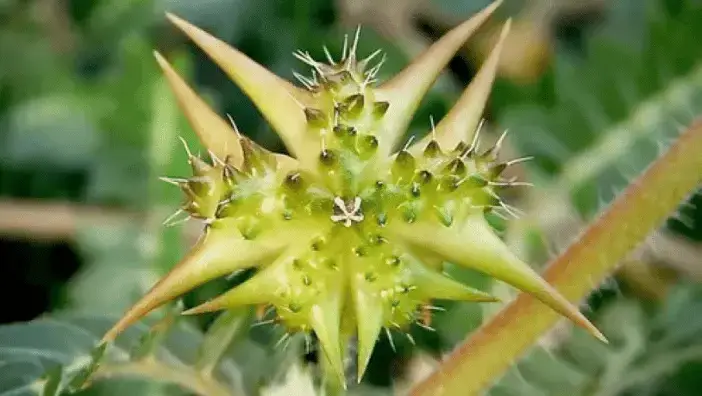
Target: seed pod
[{"x": 341, "y": 232}]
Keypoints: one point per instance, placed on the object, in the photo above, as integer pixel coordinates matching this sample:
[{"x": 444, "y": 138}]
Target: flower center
[{"x": 348, "y": 212}]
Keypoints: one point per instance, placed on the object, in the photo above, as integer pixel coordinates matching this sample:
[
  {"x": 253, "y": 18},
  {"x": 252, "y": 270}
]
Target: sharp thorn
[
  {"x": 498, "y": 145},
  {"x": 236, "y": 129},
  {"x": 303, "y": 80},
  {"x": 476, "y": 140},
  {"x": 409, "y": 143},
  {"x": 345, "y": 48},
  {"x": 425, "y": 327},
  {"x": 215, "y": 160},
  {"x": 185, "y": 146},
  {"x": 433, "y": 126},
  {"x": 518, "y": 160},
  {"x": 410, "y": 338},
  {"x": 263, "y": 322},
  {"x": 389, "y": 335},
  {"x": 328, "y": 55},
  {"x": 510, "y": 184},
  {"x": 169, "y": 220},
  {"x": 281, "y": 340},
  {"x": 173, "y": 180},
  {"x": 354, "y": 46}
]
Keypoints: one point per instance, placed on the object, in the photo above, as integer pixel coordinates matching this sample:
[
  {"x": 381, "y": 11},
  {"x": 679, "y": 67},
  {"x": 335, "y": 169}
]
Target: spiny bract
[{"x": 349, "y": 235}]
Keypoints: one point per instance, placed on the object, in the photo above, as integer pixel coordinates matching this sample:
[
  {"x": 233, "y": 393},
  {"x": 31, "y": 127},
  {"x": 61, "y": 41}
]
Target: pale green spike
[
  {"x": 264, "y": 287},
  {"x": 254, "y": 291},
  {"x": 461, "y": 123},
  {"x": 405, "y": 91},
  {"x": 214, "y": 133},
  {"x": 476, "y": 246},
  {"x": 325, "y": 319},
  {"x": 219, "y": 252},
  {"x": 370, "y": 316},
  {"x": 429, "y": 259},
  {"x": 435, "y": 285},
  {"x": 281, "y": 103}
]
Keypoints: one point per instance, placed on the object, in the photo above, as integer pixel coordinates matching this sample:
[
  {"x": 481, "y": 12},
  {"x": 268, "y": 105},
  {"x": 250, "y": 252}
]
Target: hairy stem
[{"x": 643, "y": 207}]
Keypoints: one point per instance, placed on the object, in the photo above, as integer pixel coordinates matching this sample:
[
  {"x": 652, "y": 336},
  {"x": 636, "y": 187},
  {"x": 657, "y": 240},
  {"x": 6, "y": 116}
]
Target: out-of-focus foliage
[
  {"x": 85, "y": 116},
  {"x": 647, "y": 347}
]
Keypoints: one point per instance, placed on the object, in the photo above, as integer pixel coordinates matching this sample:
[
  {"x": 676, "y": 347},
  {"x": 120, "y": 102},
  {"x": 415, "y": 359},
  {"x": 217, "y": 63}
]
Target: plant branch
[
  {"x": 187, "y": 379},
  {"x": 54, "y": 221},
  {"x": 638, "y": 211}
]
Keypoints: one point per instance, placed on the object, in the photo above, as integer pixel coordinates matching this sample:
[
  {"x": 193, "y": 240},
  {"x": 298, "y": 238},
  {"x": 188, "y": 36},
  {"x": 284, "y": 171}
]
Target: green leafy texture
[
  {"x": 82, "y": 377},
  {"x": 146, "y": 247},
  {"x": 32, "y": 137},
  {"x": 591, "y": 101},
  {"x": 644, "y": 355},
  {"x": 31, "y": 352},
  {"x": 224, "y": 330}
]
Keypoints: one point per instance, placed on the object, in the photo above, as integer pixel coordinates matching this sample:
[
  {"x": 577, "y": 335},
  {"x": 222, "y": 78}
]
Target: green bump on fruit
[{"x": 348, "y": 236}]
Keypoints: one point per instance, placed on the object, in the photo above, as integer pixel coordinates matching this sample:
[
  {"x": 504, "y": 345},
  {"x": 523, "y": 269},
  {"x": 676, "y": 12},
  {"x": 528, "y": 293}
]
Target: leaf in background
[
  {"x": 115, "y": 274},
  {"x": 28, "y": 350},
  {"x": 460, "y": 318},
  {"x": 596, "y": 121},
  {"x": 83, "y": 376},
  {"x": 228, "y": 326},
  {"x": 643, "y": 353},
  {"x": 297, "y": 379},
  {"x": 226, "y": 19},
  {"x": 52, "y": 130},
  {"x": 127, "y": 258},
  {"x": 581, "y": 99}
]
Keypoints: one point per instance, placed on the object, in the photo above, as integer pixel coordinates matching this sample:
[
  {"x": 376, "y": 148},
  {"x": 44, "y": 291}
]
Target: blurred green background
[{"x": 593, "y": 89}]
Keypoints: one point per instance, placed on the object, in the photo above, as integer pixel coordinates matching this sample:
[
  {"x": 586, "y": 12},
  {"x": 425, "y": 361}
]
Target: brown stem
[
  {"x": 643, "y": 207},
  {"x": 52, "y": 220},
  {"x": 57, "y": 221}
]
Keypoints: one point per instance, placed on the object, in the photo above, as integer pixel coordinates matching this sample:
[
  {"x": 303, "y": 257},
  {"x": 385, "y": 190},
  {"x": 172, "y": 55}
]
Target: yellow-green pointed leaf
[
  {"x": 476, "y": 246},
  {"x": 435, "y": 285},
  {"x": 261, "y": 288},
  {"x": 370, "y": 316},
  {"x": 405, "y": 91},
  {"x": 462, "y": 121},
  {"x": 221, "y": 251},
  {"x": 281, "y": 103},
  {"x": 325, "y": 319},
  {"x": 214, "y": 133}
]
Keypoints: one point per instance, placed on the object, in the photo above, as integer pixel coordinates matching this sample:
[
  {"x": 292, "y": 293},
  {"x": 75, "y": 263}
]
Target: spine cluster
[{"x": 349, "y": 237}]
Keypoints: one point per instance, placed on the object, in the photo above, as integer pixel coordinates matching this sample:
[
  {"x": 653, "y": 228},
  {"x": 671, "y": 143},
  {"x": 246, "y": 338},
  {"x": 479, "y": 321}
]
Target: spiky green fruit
[{"x": 339, "y": 233}]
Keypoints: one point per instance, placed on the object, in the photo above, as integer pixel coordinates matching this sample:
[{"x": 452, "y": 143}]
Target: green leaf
[
  {"x": 29, "y": 350},
  {"x": 228, "y": 326},
  {"x": 84, "y": 375},
  {"x": 53, "y": 381},
  {"x": 115, "y": 273},
  {"x": 38, "y": 132},
  {"x": 601, "y": 119}
]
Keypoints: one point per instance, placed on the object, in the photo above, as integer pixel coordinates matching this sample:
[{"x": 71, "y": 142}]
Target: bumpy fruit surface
[{"x": 349, "y": 235}]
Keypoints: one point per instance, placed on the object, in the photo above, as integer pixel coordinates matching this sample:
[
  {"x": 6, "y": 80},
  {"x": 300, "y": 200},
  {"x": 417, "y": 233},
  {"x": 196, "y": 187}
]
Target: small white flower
[{"x": 349, "y": 213}]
